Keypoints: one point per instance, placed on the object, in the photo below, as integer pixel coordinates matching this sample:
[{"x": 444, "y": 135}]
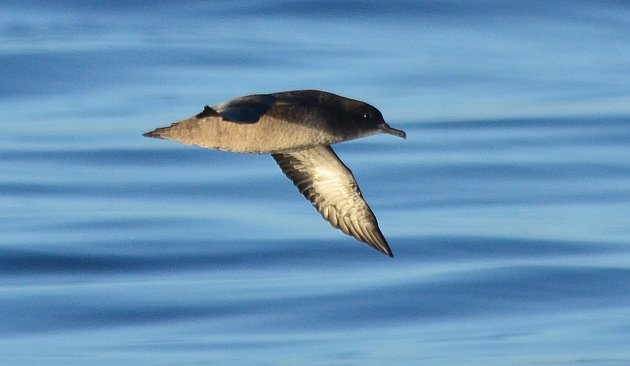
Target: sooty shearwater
[{"x": 297, "y": 128}]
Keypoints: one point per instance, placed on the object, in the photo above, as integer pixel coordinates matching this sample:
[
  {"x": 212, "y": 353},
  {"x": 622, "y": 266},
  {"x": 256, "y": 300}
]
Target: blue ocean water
[{"x": 507, "y": 207}]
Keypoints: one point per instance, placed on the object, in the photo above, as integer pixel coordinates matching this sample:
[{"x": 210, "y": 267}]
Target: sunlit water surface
[{"x": 507, "y": 207}]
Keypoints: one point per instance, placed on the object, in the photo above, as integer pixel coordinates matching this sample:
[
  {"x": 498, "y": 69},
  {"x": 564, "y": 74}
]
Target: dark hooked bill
[{"x": 392, "y": 131}]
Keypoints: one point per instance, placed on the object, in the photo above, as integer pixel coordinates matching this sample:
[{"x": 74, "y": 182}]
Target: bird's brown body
[
  {"x": 287, "y": 121},
  {"x": 297, "y": 129}
]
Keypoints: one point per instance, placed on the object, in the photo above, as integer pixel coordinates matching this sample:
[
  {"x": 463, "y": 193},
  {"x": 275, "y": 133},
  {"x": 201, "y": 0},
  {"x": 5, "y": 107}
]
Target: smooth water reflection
[{"x": 506, "y": 207}]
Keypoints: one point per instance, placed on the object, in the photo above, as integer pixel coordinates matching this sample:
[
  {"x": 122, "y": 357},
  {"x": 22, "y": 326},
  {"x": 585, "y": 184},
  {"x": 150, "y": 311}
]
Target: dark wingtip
[
  {"x": 387, "y": 251},
  {"x": 207, "y": 112},
  {"x": 382, "y": 247}
]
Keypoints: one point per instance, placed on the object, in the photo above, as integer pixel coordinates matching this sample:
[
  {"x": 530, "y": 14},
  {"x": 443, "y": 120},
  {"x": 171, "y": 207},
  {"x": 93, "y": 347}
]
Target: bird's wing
[
  {"x": 330, "y": 186},
  {"x": 246, "y": 109}
]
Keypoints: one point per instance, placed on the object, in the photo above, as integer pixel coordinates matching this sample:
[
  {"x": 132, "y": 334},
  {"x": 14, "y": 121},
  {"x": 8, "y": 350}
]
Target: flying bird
[{"x": 297, "y": 129}]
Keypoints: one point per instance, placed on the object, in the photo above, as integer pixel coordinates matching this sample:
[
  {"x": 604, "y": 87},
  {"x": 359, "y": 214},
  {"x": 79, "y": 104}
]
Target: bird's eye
[{"x": 367, "y": 115}]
